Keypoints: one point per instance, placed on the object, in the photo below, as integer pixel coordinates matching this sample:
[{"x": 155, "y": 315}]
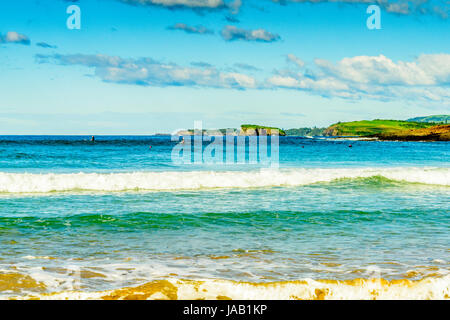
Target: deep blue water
[{"x": 131, "y": 153}]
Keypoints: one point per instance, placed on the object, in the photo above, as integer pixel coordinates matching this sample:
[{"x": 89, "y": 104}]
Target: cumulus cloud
[
  {"x": 427, "y": 70},
  {"x": 14, "y": 37},
  {"x": 402, "y": 7},
  {"x": 178, "y": 3},
  {"x": 296, "y": 61},
  {"x": 210, "y": 5},
  {"x": 440, "y": 8},
  {"x": 235, "y": 6},
  {"x": 190, "y": 29},
  {"x": 149, "y": 72},
  {"x": 231, "y": 33},
  {"x": 424, "y": 79},
  {"x": 374, "y": 77}
]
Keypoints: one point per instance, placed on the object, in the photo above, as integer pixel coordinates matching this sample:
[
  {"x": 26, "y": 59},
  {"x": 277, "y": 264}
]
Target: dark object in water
[{"x": 93, "y": 139}]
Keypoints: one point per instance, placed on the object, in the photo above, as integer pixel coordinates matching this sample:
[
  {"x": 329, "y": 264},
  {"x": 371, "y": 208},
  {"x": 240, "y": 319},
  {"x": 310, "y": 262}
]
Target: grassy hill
[
  {"x": 434, "y": 119},
  {"x": 373, "y": 127}
]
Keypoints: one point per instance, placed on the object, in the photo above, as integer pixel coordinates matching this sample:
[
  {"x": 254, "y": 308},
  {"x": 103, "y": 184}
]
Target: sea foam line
[
  {"x": 309, "y": 289},
  {"x": 173, "y": 180}
]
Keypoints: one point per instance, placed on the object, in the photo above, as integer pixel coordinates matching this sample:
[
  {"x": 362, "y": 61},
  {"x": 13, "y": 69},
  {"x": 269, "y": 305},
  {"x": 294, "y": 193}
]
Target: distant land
[
  {"x": 444, "y": 119},
  {"x": 256, "y": 130},
  {"x": 305, "y": 132},
  {"x": 428, "y": 128},
  {"x": 372, "y": 127},
  {"x": 245, "y": 130},
  {"x": 425, "y": 130}
]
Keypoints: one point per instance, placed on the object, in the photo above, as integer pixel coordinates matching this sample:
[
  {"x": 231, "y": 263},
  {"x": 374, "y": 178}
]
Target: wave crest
[
  {"x": 173, "y": 180},
  {"x": 365, "y": 289}
]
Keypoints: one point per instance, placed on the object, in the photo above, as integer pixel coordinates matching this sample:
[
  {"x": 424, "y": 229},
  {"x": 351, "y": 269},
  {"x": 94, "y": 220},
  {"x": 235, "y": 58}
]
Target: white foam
[
  {"x": 428, "y": 288},
  {"x": 173, "y": 180}
]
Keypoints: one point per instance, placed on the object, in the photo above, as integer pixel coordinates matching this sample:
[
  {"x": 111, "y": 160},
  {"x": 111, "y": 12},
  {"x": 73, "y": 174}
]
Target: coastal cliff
[
  {"x": 434, "y": 133},
  {"x": 367, "y": 128},
  {"x": 255, "y": 130},
  {"x": 245, "y": 130},
  {"x": 391, "y": 130}
]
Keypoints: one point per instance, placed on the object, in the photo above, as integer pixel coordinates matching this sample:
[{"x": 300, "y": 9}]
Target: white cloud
[
  {"x": 401, "y": 7},
  {"x": 149, "y": 72},
  {"x": 427, "y": 70},
  {"x": 190, "y": 29},
  {"x": 286, "y": 82},
  {"x": 14, "y": 37},
  {"x": 297, "y": 61},
  {"x": 440, "y": 8},
  {"x": 425, "y": 79},
  {"x": 210, "y": 5},
  {"x": 231, "y": 33}
]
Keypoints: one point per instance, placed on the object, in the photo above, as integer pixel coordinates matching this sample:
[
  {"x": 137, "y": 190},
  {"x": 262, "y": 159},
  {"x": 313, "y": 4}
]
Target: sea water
[{"x": 82, "y": 219}]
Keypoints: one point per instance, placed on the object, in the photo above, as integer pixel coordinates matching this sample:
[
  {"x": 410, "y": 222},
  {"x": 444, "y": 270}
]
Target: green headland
[
  {"x": 429, "y": 128},
  {"x": 253, "y": 129},
  {"x": 425, "y": 130},
  {"x": 373, "y": 127}
]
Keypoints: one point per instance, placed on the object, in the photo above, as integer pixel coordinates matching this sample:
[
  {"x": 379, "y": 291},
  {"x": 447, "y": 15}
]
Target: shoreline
[{"x": 431, "y": 287}]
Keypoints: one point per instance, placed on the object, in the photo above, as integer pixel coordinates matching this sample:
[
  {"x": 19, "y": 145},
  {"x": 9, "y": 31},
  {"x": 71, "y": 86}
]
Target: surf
[
  {"x": 198, "y": 180},
  {"x": 306, "y": 289}
]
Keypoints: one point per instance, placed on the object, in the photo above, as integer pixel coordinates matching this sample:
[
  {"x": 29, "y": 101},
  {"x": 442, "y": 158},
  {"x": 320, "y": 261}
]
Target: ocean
[{"x": 118, "y": 219}]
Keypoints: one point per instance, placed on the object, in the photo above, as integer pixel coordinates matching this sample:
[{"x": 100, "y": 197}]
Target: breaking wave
[
  {"x": 173, "y": 289},
  {"x": 173, "y": 180}
]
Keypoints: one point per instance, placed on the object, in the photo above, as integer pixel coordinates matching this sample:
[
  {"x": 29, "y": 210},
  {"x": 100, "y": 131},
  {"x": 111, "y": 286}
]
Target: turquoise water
[{"x": 125, "y": 211}]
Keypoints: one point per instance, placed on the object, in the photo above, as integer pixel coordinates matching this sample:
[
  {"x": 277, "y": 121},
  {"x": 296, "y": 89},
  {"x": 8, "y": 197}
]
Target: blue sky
[{"x": 146, "y": 66}]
